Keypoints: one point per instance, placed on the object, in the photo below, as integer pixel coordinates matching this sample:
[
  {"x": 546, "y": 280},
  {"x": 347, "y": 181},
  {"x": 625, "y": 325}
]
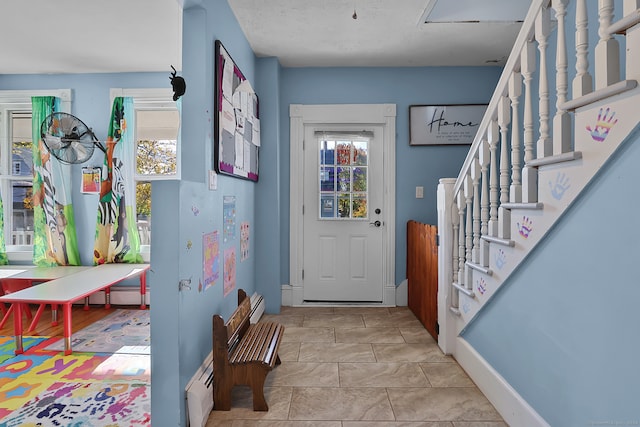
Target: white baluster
[
  {"x": 504, "y": 215},
  {"x": 485, "y": 159},
  {"x": 461, "y": 238},
  {"x": 476, "y": 174},
  {"x": 607, "y": 54},
  {"x": 493, "y": 138},
  {"x": 455, "y": 221},
  {"x": 529, "y": 174},
  {"x": 562, "y": 119},
  {"x": 632, "y": 71},
  {"x": 582, "y": 82},
  {"x": 503, "y": 121},
  {"x": 468, "y": 195},
  {"x": 542, "y": 31},
  {"x": 515, "y": 91},
  {"x": 630, "y": 6}
]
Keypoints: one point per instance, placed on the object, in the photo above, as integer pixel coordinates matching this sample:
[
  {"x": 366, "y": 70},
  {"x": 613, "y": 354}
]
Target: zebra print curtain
[
  {"x": 54, "y": 237},
  {"x": 117, "y": 238}
]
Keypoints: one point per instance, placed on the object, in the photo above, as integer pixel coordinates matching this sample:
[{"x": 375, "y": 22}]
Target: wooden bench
[{"x": 243, "y": 354}]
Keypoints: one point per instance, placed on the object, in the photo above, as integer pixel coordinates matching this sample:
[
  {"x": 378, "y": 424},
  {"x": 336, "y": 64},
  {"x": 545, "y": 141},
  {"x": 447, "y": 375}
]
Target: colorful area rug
[
  {"x": 8, "y": 345},
  {"x": 46, "y": 388},
  {"x": 81, "y": 404},
  {"x": 123, "y": 331}
]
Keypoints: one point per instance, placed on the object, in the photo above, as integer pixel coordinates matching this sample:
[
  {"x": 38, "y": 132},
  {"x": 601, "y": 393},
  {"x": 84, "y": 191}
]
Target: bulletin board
[{"x": 237, "y": 120}]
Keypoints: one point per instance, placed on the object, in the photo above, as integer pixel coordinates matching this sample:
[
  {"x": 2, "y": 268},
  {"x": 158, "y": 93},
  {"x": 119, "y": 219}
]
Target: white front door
[{"x": 343, "y": 213}]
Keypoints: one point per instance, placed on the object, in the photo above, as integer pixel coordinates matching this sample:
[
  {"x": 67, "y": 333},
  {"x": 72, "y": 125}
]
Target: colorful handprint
[
  {"x": 481, "y": 286},
  {"x": 525, "y": 227},
  {"x": 603, "y": 125}
]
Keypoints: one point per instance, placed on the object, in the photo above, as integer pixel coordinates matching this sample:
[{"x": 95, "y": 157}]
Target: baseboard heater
[{"x": 199, "y": 390}]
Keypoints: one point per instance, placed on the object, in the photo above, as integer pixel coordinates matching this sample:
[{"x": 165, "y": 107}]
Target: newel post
[{"x": 447, "y": 320}]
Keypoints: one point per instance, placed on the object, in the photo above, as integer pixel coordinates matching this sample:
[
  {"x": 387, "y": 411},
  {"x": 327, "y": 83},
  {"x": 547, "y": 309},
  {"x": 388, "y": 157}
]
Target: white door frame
[{"x": 340, "y": 114}]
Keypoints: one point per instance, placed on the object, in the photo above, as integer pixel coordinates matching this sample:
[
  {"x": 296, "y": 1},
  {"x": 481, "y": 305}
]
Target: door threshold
[{"x": 342, "y": 304}]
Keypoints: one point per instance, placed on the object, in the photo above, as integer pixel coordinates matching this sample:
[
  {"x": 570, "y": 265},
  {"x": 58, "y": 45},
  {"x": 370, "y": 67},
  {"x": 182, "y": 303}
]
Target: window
[
  {"x": 343, "y": 166},
  {"x": 157, "y": 150},
  {"x": 16, "y": 167}
]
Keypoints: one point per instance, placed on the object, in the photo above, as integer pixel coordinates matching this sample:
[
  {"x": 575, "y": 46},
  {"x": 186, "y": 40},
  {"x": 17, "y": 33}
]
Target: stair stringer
[{"x": 559, "y": 185}]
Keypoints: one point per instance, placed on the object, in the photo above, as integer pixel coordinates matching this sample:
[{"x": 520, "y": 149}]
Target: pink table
[{"x": 67, "y": 289}]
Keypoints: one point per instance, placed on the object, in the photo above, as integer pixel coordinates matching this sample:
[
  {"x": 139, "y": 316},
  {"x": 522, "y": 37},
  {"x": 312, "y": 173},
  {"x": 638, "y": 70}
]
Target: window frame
[
  {"x": 150, "y": 99},
  {"x": 10, "y": 101}
]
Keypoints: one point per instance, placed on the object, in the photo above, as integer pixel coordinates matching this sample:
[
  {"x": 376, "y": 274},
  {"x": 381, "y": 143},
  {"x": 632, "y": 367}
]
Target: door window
[{"x": 343, "y": 169}]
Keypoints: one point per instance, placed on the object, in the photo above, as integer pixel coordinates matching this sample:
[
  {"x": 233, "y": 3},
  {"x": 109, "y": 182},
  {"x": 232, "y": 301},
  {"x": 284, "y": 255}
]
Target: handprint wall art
[
  {"x": 604, "y": 124},
  {"x": 525, "y": 227},
  {"x": 501, "y": 259},
  {"x": 481, "y": 286},
  {"x": 560, "y": 186}
]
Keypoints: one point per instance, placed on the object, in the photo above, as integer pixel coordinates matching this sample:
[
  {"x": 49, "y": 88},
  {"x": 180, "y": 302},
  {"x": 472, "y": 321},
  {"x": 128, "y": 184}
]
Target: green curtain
[
  {"x": 54, "y": 237},
  {"x": 3, "y": 248},
  {"x": 117, "y": 238}
]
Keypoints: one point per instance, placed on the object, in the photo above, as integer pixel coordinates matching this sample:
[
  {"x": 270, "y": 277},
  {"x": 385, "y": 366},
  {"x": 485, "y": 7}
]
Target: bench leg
[
  {"x": 221, "y": 394},
  {"x": 258, "y": 377}
]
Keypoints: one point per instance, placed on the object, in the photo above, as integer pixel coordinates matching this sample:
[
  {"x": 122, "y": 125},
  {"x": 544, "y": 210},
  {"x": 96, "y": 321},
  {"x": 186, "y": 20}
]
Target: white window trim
[
  {"x": 156, "y": 98},
  {"x": 16, "y": 100}
]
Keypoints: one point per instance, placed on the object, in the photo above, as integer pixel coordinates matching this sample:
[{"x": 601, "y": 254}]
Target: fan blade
[
  {"x": 53, "y": 142},
  {"x": 79, "y": 150}
]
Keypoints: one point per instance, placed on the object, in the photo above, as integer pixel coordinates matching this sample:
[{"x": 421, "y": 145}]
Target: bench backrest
[{"x": 226, "y": 336}]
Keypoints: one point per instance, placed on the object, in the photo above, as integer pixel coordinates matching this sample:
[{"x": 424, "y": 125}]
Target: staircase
[{"x": 567, "y": 99}]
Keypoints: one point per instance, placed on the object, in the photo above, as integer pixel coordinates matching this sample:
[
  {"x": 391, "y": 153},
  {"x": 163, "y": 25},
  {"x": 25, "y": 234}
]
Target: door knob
[{"x": 376, "y": 223}]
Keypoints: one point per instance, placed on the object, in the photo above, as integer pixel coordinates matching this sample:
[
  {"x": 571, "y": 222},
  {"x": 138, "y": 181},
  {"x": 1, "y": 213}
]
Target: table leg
[
  {"x": 143, "y": 290},
  {"x": 107, "y": 298},
  {"x": 86, "y": 304},
  {"x": 66, "y": 313},
  {"x": 17, "y": 326},
  {"x": 54, "y": 314}
]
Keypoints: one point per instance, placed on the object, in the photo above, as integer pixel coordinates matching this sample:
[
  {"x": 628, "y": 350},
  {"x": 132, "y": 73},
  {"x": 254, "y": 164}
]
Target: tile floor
[{"x": 357, "y": 367}]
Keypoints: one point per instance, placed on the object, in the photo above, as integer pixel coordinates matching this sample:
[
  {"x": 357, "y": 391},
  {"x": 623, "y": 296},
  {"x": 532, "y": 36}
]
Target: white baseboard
[
  {"x": 287, "y": 296},
  {"x": 511, "y": 406},
  {"x": 402, "y": 294}
]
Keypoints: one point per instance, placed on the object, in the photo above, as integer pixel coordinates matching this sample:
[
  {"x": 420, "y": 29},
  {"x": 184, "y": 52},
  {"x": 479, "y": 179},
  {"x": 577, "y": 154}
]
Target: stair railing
[{"x": 500, "y": 172}]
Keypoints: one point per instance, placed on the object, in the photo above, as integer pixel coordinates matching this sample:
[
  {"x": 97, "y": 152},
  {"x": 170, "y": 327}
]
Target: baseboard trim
[
  {"x": 287, "y": 296},
  {"x": 511, "y": 406},
  {"x": 292, "y": 296}
]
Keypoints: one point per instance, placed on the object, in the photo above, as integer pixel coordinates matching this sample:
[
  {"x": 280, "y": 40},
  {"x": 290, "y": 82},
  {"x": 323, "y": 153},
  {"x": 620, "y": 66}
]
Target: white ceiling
[
  {"x": 304, "y": 33},
  {"x": 89, "y": 36}
]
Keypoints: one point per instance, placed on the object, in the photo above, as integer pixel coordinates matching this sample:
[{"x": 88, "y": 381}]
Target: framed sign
[
  {"x": 236, "y": 120},
  {"x": 444, "y": 124}
]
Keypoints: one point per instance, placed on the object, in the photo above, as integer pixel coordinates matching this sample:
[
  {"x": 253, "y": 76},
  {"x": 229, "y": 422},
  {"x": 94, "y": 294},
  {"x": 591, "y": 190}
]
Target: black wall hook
[{"x": 178, "y": 84}]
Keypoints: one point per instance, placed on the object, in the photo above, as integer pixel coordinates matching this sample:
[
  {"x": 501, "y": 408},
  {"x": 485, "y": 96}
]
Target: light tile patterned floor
[{"x": 360, "y": 367}]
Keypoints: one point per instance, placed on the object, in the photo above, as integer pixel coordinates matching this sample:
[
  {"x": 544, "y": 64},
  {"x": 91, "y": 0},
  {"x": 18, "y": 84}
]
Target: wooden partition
[{"x": 422, "y": 273}]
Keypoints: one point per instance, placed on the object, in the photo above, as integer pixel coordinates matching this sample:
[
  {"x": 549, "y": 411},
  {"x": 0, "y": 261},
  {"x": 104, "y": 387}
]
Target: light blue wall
[
  {"x": 563, "y": 330},
  {"x": 269, "y": 207},
  {"x": 415, "y": 166},
  {"x": 183, "y": 318}
]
